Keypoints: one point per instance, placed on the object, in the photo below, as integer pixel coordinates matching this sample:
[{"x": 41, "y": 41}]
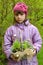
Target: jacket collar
[{"x": 21, "y": 25}]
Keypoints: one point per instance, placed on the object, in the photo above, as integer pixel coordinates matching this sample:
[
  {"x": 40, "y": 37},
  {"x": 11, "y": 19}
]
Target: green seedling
[
  {"x": 26, "y": 44},
  {"x": 16, "y": 46}
]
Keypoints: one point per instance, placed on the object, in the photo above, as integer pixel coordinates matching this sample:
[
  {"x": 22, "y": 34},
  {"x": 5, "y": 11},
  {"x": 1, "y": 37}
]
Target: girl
[{"x": 22, "y": 28}]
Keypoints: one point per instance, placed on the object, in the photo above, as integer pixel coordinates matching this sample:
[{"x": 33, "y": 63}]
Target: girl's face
[{"x": 20, "y": 16}]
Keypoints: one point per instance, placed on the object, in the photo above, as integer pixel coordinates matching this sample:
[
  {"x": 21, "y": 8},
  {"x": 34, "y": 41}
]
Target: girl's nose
[{"x": 19, "y": 16}]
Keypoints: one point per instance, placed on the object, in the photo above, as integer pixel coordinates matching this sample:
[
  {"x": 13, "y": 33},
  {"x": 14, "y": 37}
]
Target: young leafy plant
[
  {"x": 16, "y": 46},
  {"x": 26, "y": 44}
]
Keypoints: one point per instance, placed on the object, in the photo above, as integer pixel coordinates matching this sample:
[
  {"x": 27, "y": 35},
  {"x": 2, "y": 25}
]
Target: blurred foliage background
[{"x": 35, "y": 15}]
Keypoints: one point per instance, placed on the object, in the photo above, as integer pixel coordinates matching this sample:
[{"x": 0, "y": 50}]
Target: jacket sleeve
[
  {"x": 37, "y": 41},
  {"x": 7, "y": 43}
]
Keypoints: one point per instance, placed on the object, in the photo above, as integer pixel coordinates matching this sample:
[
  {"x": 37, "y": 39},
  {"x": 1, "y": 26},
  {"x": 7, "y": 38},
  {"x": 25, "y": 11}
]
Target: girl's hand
[
  {"x": 12, "y": 56},
  {"x": 34, "y": 51},
  {"x": 30, "y": 53},
  {"x": 17, "y": 56}
]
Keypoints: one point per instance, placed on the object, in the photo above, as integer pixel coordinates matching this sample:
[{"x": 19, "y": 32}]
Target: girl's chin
[{"x": 20, "y": 21}]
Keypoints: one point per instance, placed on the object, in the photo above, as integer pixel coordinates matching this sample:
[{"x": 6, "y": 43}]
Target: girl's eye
[
  {"x": 16, "y": 14},
  {"x": 21, "y": 13}
]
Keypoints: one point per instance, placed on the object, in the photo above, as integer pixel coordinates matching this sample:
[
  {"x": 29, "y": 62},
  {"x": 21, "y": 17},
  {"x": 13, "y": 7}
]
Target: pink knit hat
[{"x": 21, "y": 7}]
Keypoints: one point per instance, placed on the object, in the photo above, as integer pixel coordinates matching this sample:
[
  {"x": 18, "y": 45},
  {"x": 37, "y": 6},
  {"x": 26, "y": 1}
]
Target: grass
[{"x": 40, "y": 56}]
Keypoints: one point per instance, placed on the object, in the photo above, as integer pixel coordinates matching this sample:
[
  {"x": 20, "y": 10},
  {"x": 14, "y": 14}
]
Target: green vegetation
[
  {"x": 18, "y": 46},
  {"x": 26, "y": 44},
  {"x": 35, "y": 15}
]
